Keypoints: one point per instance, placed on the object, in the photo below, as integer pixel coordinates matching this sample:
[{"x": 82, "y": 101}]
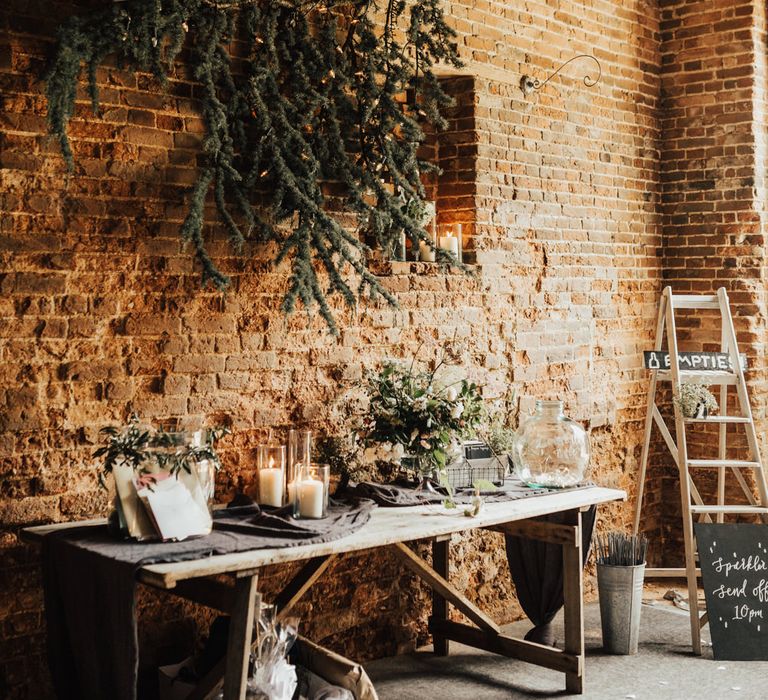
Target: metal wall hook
[{"x": 529, "y": 84}]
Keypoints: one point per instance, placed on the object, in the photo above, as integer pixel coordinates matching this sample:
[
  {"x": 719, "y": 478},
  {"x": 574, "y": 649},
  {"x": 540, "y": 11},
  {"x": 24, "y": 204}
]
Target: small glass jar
[
  {"x": 311, "y": 492},
  {"x": 550, "y": 449},
  {"x": 271, "y": 475}
]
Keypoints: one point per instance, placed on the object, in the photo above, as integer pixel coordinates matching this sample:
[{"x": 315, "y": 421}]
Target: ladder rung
[
  {"x": 695, "y": 301},
  {"x": 722, "y": 463},
  {"x": 705, "y": 377},
  {"x": 718, "y": 419},
  {"x": 678, "y": 572},
  {"x": 731, "y": 510}
]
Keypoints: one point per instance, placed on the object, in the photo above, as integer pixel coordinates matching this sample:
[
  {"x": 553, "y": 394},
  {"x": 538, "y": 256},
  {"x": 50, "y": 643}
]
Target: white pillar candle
[
  {"x": 271, "y": 487},
  {"x": 451, "y": 244},
  {"x": 310, "y": 495},
  {"x": 426, "y": 253}
]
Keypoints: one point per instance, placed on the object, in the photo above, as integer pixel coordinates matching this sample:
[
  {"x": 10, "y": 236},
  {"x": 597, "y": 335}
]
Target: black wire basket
[{"x": 477, "y": 463}]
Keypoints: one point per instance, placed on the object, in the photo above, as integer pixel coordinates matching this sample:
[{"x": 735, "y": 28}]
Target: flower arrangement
[
  {"x": 412, "y": 415},
  {"x": 137, "y": 446},
  {"x": 343, "y": 454},
  {"x": 695, "y": 400}
]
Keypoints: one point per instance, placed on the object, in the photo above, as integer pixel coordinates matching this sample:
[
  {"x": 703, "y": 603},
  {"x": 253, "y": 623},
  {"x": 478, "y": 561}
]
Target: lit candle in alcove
[{"x": 450, "y": 239}]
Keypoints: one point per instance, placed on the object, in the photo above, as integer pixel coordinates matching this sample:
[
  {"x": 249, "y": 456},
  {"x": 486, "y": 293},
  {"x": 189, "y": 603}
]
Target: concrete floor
[{"x": 664, "y": 668}]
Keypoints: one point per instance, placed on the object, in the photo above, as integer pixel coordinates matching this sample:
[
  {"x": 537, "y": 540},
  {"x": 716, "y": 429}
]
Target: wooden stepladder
[{"x": 691, "y": 500}]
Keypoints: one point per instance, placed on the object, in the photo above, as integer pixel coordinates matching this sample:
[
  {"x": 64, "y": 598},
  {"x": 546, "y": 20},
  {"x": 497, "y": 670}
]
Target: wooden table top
[{"x": 386, "y": 526}]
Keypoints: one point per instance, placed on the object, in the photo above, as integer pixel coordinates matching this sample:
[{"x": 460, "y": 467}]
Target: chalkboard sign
[
  {"x": 699, "y": 361},
  {"x": 734, "y": 571}
]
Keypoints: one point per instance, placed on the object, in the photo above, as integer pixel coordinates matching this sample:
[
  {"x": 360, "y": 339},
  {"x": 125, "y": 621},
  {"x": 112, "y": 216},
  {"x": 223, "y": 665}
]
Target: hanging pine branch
[{"x": 318, "y": 103}]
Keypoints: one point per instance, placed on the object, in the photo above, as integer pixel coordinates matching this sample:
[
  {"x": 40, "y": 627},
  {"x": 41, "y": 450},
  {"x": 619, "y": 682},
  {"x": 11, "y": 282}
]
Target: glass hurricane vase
[
  {"x": 550, "y": 449},
  {"x": 426, "y": 472}
]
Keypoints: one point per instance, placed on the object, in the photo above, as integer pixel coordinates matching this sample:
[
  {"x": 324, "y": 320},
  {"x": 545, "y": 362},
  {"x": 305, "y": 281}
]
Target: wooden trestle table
[{"x": 201, "y": 581}]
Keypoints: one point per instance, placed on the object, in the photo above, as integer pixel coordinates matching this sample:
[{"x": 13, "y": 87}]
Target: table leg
[
  {"x": 440, "y": 563},
  {"x": 245, "y": 608},
  {"x": 573, "y": 596}
]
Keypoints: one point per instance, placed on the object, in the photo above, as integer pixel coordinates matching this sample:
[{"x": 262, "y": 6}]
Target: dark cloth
[
  {"x": 403, "y": 493},
  {"x": 537, "y": 572},
  {"x": 89, "y": 581},
  {"x": 90, "y": 619}
]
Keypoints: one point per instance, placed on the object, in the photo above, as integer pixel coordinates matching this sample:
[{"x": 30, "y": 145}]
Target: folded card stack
[{"x": 162, "y": 506}]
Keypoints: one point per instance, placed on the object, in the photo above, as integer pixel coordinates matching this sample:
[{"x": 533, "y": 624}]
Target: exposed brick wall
[
  {"x": 100, "y": 308},
  {"x": 713, "y": 123}
]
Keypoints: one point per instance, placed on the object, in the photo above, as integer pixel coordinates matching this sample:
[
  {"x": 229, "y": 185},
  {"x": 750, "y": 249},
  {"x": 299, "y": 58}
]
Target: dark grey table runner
[{"x": 402, "y": 493}]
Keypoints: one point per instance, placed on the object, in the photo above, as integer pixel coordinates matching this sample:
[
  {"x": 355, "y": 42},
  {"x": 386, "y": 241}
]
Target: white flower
[
  {"x": 457, "y": 410},
  {"x": 451, "y": 394},
  {"x": 398, "y": 451},
  {"x": 386, "y": 447}
]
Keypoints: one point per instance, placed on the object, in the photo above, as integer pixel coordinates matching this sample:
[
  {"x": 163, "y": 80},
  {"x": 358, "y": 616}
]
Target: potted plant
[{"x": 696, "y": 400}]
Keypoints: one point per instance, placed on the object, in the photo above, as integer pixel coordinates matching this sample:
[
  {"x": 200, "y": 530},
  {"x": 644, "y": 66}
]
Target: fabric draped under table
[
  {"x": 89, "y": 581},
  {"x": 536, "y": 567}
]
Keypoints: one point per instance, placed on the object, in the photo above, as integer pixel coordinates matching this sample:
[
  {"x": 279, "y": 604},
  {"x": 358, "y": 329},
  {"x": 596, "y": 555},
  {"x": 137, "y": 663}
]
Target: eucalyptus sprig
[
  {"x": 125, "y": 446},
  {"x": 140, "y": 448}
]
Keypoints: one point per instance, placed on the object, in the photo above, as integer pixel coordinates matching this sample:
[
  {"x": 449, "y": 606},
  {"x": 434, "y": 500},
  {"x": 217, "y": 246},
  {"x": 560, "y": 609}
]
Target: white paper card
[
  {"x": 175, "y": 510},
  {"x": 136, "y": 519}
]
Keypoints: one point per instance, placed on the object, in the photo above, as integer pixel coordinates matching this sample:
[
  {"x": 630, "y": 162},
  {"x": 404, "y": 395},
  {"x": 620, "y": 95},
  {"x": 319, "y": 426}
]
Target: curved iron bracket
[{"x": 529, "y": 84}]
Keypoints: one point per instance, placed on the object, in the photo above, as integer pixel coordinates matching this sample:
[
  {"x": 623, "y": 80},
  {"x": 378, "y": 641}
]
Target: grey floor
[{"x": 664, "y": 668}]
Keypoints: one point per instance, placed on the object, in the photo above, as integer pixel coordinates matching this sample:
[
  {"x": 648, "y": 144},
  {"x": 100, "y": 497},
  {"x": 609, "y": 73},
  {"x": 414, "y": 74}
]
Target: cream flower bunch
[
  {"x": 694, "y": 395},
  {"x": 412, "y": 415}
]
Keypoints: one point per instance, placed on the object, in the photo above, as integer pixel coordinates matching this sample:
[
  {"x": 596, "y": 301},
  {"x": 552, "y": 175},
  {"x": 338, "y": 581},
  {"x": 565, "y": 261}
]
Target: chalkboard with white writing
[{"x": 734, "y": 572}]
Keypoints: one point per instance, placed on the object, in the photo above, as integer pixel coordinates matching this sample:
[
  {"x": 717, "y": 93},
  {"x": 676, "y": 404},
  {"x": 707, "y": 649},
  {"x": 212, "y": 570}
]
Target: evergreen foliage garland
[{"x": 316, "y": 98}]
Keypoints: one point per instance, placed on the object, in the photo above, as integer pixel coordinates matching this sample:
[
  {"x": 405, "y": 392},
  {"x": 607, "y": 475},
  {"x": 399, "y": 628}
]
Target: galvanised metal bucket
[{"x": 621, "y": 595}]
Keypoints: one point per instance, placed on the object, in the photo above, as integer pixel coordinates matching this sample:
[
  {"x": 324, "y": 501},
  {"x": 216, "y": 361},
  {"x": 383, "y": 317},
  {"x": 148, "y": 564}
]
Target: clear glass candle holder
[
  {"x": 271, "y": 475},
  {"x": 311, "y": 492},
  {"x": 299, "y": 455}
]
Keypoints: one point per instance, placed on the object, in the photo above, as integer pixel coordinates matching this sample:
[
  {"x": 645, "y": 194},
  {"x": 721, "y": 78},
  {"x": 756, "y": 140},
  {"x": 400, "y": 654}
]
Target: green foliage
[
  {"x": 500, "y": 437},
  {"x": 483, "y": 485},
  {"x": 410, "y": 414},
  {"x": 317, "y": 98},
  {"x": 126, "y": 446},
  {"x": 496, "y": 429},
  {"x": 138, "y": 447}
]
